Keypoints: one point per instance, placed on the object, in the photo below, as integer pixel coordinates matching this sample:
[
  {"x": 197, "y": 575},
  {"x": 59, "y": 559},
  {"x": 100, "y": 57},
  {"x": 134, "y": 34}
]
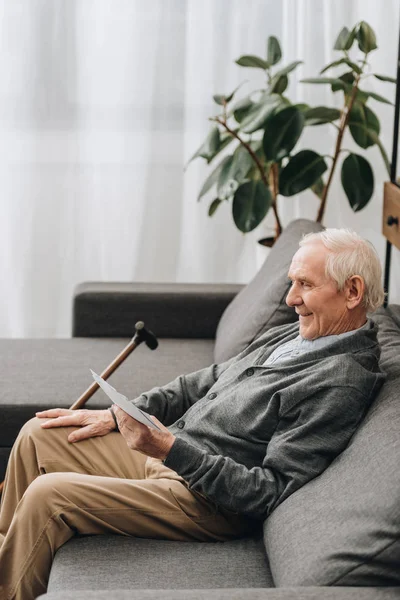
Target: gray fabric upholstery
[
  {"x": 261, "y": 304},
  {"x": 343, "y": 528},
  {"x": 305, "y": 593},
  {"x": 36, "y": 374},
  {"x": 171, "y": 310},
  {"x": 110, "y": 562}
]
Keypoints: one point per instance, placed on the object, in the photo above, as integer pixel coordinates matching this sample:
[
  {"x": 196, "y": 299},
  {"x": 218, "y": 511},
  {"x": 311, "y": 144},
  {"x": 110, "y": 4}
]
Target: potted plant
[{"x": 262, "y": 130}]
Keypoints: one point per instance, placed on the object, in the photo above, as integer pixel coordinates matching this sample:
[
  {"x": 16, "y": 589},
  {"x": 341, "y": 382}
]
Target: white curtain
[{"x": 102, "y": 102}]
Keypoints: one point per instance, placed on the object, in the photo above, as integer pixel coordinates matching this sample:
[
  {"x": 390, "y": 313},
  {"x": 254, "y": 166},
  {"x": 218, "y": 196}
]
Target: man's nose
[{"x": 293, "y": 298}]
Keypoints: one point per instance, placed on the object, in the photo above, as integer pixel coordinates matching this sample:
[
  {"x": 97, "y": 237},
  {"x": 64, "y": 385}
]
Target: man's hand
[
  {"x": 92, "y": 422},
  {"x": 144, "y": 439}
]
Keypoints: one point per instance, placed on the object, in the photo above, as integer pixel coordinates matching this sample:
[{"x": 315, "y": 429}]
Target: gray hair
[{"x": 350, "y": 254}]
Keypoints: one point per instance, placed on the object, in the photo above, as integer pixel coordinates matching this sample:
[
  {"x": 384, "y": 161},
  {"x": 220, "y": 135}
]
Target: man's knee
[
  {"x": 47, "y": 493},
  {"x": 33, "y": 431},
  {"x": 28, "y": 435},
  {"x": 32, "y": 437},
  {"x": 32, "y": 428}
]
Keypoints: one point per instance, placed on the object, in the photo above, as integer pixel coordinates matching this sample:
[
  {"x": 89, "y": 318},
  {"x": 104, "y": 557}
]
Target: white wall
[{"x": 102, "y": 102}]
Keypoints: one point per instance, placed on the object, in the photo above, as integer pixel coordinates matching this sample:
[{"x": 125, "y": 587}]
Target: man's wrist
[
  {"x": 110, "y": 408},
  {"x": 169, "y": 444}
]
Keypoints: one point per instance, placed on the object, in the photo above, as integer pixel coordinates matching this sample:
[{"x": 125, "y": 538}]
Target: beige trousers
[{"x": 55, "y": 490}]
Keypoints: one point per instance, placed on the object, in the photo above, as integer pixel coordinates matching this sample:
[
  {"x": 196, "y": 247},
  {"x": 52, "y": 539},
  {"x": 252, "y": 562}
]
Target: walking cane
[{"x": 141, "y": 335}]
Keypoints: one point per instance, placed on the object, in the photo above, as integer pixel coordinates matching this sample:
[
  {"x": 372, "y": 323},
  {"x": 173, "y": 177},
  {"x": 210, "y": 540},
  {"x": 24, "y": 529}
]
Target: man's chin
[{"x": 306, "y": 332}]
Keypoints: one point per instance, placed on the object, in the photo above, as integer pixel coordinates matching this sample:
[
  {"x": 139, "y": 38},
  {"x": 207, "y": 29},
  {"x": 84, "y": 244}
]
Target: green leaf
[
  {"x": 357, "y": 180},
  {"x": 210, "y": 145},
  {"x": 225, "y": 139},
  {"x": 230, "y": 96},
  {"x": 361, "y": 95},
  {"x": 256, "y": 146},
  {"x": 290, "y": 67},
  {"x": 249, "y": 60},
  {"x": 379, "y": 98},
  {"x": 301, "y": 172},
  {"x": 366, "y": 38},
  {"x": 233, "y": 171},
  {"x": 318, "y": 187},
  {"x": 321, "y": 114},
  {"x": 212, "y": 178},
  {"x": 219, "y": 99},
  {"x": 257, "y": 116},
  {"x": 342, "y": 80},
  {"x": 362, "y": 121},
  {"x": 341, "y": 40},
  {"x": 302, "y": 106},
  {"x": 281, "y": 132},
  {"x": 222, "y": 99},
  {"x": 213, "y": 143},
  {"x": 278, "y": 84},
  {"x": 374, "y": 136},
  {"x": 251, "y": 203},
  {"x": 330, "y": 80},
  {"x": 345, "y": 39},
  {"x": 351, "y": 38},
  {"x": 283, "y": 104},
  {"x": 274, "y": 53},
  {"x": 342, "y": 61},
  {"x": 213, "y": 206},
  {"x": 241, "y": 108},
  {"x": 385, "y": 78},
  {"x": 225, "y": 178}
]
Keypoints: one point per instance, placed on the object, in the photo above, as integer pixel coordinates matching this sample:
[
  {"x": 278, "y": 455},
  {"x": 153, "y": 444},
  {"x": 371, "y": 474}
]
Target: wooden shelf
[{"x": 391, "y": 213}]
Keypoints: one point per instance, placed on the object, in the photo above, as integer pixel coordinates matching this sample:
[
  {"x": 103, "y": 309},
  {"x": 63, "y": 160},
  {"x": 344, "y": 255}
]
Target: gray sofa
[{"x": 337, "y": 538}]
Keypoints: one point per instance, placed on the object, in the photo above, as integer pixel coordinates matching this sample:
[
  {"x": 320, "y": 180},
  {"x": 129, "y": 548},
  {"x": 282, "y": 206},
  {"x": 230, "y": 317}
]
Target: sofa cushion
[
  {"x": 261, "y": 304},
  {"x": 116, "y": 562},
  {"x": 343, "y": 527}
]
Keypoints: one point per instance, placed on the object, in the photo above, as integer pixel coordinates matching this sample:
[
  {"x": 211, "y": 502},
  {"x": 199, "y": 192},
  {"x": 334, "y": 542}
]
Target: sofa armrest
[
  {"x": 172, "y": 310},
  {"x": 299, "y": 593}
]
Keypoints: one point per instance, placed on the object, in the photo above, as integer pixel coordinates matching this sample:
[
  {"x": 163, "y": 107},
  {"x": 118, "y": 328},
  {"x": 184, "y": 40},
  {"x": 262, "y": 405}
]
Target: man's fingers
[
  {"x": 157, "y": 422},
  {"x": 51, "y": 413},
  {"x": 83, "y": 434},
  {"x": 66, "y": 421}
]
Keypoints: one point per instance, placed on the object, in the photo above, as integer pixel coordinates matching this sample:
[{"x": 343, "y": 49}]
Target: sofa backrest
[
  {"x": 261, "y": 304},
  {"x": 343, "y": 527}
]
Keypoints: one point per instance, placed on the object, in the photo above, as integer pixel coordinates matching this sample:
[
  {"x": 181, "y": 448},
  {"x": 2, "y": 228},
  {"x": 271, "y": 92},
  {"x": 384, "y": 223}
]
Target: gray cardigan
[{"x": 249, "y": 435}]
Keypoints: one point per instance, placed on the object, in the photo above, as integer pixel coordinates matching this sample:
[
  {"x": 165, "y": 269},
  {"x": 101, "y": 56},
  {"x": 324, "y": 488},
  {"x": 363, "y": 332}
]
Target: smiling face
[{"x": 322, "y": 309}]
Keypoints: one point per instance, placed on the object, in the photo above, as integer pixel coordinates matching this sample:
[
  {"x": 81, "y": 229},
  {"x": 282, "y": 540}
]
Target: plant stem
[
  {"x": 278, "y": 226},
  {"x": 343, "y": 124}
]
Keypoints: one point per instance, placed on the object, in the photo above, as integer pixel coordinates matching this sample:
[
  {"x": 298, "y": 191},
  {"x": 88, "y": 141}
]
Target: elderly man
[{"x": 236, "y": 439}]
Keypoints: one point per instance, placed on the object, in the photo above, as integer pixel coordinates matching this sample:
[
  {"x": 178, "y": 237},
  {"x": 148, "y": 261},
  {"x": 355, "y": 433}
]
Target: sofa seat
[
  {"x": 156, "y": 564},
  {"x": 48, "y": 373}
]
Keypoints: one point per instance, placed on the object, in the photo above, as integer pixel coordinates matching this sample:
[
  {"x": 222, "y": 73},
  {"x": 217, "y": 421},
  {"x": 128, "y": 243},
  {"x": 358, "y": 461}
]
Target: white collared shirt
[{"x": 300, "y": 346}]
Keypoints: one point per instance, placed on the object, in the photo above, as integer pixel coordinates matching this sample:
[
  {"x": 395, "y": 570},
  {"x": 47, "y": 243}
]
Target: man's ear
[{"x": 355, "y": 288}]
